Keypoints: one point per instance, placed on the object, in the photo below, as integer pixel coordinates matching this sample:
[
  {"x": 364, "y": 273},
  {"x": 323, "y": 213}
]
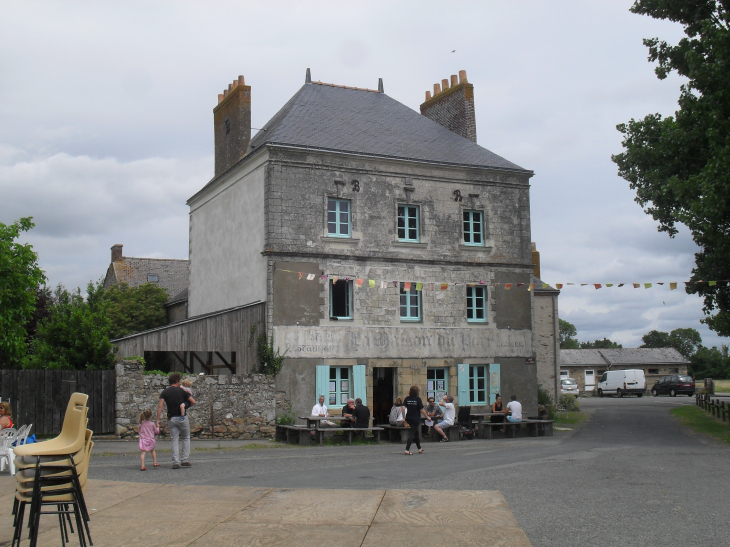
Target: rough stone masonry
[{"x": 229, "y": 407}]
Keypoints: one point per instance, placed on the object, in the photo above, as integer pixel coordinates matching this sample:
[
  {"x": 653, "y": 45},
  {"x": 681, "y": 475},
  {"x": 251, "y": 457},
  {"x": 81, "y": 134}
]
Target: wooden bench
[
  {"x": 349, "y": 431},
  {"x": 294, "y": 434},
  {"x": 535, "y": 428},
  {"x": 396, "y": 433},
  {"x": 539, "y": 428},
  {"x": 452, "y": 433}
]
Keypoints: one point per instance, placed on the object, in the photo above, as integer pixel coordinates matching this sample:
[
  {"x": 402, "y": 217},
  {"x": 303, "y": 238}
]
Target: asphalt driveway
[{"x": 630, "y": 476}]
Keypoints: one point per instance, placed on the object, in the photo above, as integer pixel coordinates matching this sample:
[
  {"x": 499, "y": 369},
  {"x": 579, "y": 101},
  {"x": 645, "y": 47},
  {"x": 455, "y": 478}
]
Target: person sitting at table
[
  {"x": 397, "y": 413},
  {"x": 348, "y": 411},
  {"x": 449, "y": 414},
  {"x": 497, "y": 407},
  {"x": 434, "y": 413},
  {"x": 320, "y": 409},
  {"x": 6, "y": 416},
  {"x": 362, "y": 415},
  {"x": 515, "y": 409}
]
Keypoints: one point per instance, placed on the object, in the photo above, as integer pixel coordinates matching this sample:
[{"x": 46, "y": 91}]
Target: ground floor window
[
  {"x": 478, "y": 384},
  {"x": 340, "y": 386},
  {"x": 437, "y": 383}
]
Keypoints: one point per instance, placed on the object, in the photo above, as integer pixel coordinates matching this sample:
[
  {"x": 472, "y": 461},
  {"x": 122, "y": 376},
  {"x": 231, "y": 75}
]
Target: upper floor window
[
  {"x": 410, "y": 302},
  {"x": 338, "y": 218},
  {"x": 152, "y": 278},
  {"x": 476, "y": 304},
  {"x": 408, "y": 223},
  {"x": 473, "y": 226},
  {"x": 341, "y": 299},
  {"x": 478, "y": 384}
]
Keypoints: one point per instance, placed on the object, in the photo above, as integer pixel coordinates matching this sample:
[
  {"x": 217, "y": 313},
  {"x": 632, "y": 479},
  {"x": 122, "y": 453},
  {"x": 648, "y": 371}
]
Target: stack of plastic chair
[
  {"x": 7, "y": 438},
  {"x": 52, "y": 474}
]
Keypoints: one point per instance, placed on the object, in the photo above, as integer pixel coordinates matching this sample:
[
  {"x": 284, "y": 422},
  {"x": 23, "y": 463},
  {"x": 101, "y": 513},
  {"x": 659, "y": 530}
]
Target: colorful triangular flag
[
  {"x": 672, "y": 286},
  {"x": 310, "y": 277},
  {"x": 371, "y": 283}
]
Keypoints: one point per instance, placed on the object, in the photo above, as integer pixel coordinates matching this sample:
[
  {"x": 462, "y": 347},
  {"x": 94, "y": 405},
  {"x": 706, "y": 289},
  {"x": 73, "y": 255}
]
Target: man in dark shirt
[
  {"x": 348, "y": 411},
  {"x": 362, "y": 414},
  {"x": 173, "y": 397}
]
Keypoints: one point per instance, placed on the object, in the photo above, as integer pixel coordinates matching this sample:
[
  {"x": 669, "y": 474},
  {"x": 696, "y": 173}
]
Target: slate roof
[
  {"x": 368, "y": 122},
  {"x": 621, "y": 356},
  {"x": 172, "y": 274},
  {"x": 539, "y": 286}
]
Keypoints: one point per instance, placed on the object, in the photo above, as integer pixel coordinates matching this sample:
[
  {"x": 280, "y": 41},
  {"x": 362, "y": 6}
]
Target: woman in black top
[
  {"x": 497, "y": 407},
  {"x": 414, "y": 409}
]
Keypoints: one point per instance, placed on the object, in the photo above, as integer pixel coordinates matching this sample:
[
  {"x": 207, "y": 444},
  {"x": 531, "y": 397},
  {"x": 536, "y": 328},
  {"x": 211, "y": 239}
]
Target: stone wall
[{"x": 231, "y": 406}]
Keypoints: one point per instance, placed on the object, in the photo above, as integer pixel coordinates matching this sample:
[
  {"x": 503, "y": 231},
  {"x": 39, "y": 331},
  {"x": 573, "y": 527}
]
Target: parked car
[
  {"x": 622, "y": 382},
  {"x": 674, "y": 385},
  {"x": 569, "y": 385}
]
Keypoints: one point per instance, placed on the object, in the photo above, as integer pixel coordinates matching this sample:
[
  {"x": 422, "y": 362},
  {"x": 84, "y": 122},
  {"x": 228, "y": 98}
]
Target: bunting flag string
[{"x": 364, "y": 281}]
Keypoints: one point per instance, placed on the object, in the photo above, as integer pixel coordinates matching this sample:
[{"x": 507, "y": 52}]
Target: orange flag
[
  {"x": 672, "y": 286},
  {"x": 532, "y": 286},
  {"x": 358, "y": 282},
  {"x": 597, "y": 285},
  {"x": 444, "y": 286},
  {"x": 507, "y": 286},
  {"x": 407, "y": 285}
]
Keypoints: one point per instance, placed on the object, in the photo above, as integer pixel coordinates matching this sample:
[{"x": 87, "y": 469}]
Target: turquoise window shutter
[
  {"x": 358, "y": 383},
  {"x": 323, "y": 378},
  {"x": 462, "y": 379},
  {"x": 494, "y": 381}
]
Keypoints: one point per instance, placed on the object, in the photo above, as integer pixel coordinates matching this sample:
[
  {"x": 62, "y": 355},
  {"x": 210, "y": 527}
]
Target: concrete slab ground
[{"x": 128, "y": 514}]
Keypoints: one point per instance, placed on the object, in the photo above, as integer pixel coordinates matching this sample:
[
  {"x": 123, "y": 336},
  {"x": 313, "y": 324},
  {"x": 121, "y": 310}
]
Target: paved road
[{"x": 630, "y": 476}]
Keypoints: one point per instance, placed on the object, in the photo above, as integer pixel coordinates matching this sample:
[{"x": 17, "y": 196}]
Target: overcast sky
[{"x": 106, "y": 123}]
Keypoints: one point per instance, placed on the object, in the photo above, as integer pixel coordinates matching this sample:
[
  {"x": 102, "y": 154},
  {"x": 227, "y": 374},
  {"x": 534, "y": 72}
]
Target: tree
[
  {"x": 134, "y": 309},
  {"x": 685, "y": 341},
  {"x": 655, "y": 339},
  {"x": 19, "y": 277},
  {"x": 680, "y": 165},
  {"x": 600, "y": 344},
  {"x": 567, "y": 333},
  {"x": 76, "y": 334},
  {"x": 710, "y": 363}
]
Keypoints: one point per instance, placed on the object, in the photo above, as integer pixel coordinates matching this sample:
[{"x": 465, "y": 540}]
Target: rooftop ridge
[{"x": 348, "y": 87}]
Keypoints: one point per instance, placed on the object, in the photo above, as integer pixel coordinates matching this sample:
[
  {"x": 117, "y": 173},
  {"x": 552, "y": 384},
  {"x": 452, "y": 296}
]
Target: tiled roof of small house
[
  {"x": 539, "y": 286},
  {"x": 339, "y": 118},
  {"x": 172, "y": 274},
  {"x": 621, "y": 356}
]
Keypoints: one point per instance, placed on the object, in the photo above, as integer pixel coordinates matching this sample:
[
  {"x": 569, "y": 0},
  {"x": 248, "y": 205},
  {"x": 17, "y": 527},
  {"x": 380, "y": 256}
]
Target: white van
[{"x": 622, "y": 382}]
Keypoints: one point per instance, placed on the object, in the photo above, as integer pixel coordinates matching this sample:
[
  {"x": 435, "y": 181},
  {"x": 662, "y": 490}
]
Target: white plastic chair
[
  {"x": 7, "y": 438},
  {"x": 22, "y": 435}
]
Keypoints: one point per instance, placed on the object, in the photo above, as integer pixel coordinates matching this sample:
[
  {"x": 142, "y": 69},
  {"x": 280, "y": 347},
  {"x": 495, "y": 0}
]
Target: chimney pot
[
  {"x": 462, "y": 77},
  {"x": 444, "y": 84},
  {"x": 220, "y": 97},
  {"x": 230, "y": 88},
  {"x": 116, "y": 252},
  {"x": 225, "y": 93},
  {"x": 241, "y": 81},
  {"x": 308, "y": 77},
  {"x": 436, "y": 89},
  {"x": 232, "y": 125},
  {"x": 428, "y": 95},
  {"x": 234, "y": 84},
  {"x": 454, "y": 81},
  {"x": 380, "y": 86},
  {"x": 453, "y": 110}
]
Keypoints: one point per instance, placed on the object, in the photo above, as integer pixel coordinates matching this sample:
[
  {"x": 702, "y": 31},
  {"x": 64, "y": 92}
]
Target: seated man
[
  {"x": 449, "y": 414},
  {"x": 515, "y": 409},
  {"x": 320, "y": 409},
  {"x": 348, "y": 411},
  {"x": 362, "y": 415},
  {"x": 434, "y": 413}
]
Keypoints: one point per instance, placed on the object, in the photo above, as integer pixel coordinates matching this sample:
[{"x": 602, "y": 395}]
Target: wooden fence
[
  {"x": 40, "y": 397},
  {"x": 716, "y": 407}
]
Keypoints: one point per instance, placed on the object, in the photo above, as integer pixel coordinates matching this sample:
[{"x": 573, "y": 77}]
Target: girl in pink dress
[{"x": 147, "y": 432}]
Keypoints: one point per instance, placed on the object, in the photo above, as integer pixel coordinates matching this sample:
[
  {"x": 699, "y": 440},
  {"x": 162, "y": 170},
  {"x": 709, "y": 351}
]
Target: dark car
[{"x": 674, "y": 385}]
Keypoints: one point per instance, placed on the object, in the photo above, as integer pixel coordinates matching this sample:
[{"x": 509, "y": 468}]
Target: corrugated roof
[
  {"x": 354, "y": 120},
  {"x": 621, "y": 356}
]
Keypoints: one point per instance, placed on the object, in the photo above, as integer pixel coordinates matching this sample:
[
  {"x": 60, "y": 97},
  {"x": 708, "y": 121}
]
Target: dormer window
[{"x": 152, "y": 278}]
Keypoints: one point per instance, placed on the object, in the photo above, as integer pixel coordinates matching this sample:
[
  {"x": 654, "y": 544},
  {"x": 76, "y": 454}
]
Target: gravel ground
[{"x": 630, "y": 476}]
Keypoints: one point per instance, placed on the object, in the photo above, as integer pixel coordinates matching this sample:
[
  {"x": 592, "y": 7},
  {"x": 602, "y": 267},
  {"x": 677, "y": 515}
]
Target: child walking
[
  {"x": 147, "y": 432},
  {"x": 186, "y": 384}
]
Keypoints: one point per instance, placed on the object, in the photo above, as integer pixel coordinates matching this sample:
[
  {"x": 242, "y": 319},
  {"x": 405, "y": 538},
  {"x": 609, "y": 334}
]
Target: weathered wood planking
[
  {"x": 40, "y": 397},
  {"x": 226, "y": 331}
]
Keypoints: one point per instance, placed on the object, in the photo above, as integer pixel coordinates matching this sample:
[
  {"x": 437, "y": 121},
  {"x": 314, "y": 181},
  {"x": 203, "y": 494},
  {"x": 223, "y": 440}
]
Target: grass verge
[
  {"x": 702, "y": 422},
  {"x": 571, "y": 419},
  {"x": 722, "y": 386}
]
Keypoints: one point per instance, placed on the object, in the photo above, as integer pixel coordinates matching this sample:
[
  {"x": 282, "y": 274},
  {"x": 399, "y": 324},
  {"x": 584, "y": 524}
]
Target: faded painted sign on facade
[{"x": 401, "y": 342}]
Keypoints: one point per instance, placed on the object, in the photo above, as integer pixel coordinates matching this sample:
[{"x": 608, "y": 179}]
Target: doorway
[
  {"x": 590, "y": 380},
  {"x": 383, "y": 389}
]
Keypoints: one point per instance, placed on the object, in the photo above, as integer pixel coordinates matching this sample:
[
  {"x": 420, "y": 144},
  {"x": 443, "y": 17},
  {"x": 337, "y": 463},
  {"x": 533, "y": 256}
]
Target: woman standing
[
  {"x": 414, "y": 410},
  {"x": 497, "y": 407}
]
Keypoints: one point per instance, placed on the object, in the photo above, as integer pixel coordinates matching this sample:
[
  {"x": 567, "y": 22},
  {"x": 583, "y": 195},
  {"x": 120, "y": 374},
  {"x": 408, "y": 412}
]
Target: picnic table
[
  {"x": 480, "y": 417},
  {"x": 314, "y": 421}
]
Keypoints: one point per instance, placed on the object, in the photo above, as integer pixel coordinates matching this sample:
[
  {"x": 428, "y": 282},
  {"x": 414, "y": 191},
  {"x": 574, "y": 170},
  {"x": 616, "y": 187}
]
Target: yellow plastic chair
[
  {"x": 28, "y": 463},
  {"x": 71, "y": 438},
  {"x": 26, "y": 470}
]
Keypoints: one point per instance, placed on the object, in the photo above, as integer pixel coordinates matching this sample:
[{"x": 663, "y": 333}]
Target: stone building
[
  {"x": 389, "y": 248},
  {"x": 588, "y": 365}
]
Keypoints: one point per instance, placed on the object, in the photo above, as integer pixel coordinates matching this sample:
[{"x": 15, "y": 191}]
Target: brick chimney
[
  {"x": 116, "y": 252},
  {"x": 452, "y": 105},
  {"x": 535, "y": 261},
  {"x": 232, "y": 125}
]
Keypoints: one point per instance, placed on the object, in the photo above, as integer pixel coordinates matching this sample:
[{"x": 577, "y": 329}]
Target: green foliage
[
  {"x": 567, "y": 333},
  {"x": 150, "y": 372},
  {"x": 685, "y": 341},
  {"x": 288, "y": 418},
  {"x": 710, "y": 363},
  {"x": 543, "y": 396},
  {"x": 76, "y": 335},
  {"x": 270, "y": 360},
  {"x": 702, "y": 421},
  {"x": 135, "y": 358},
  {"x": 20, "y": 277},
  {"x": 679, "y": 166},
  {"x": 570, "y": 402},
  {"x": 600, "y": 344},
  {"x": 134, "y": 309}
]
